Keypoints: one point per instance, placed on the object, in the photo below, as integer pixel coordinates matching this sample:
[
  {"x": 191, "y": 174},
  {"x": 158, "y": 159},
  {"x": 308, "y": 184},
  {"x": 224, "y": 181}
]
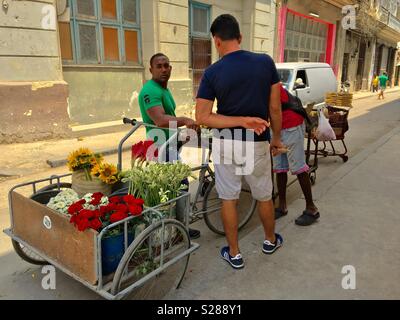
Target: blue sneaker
[
  {"x": 270, "y": 248},
  {"x": 235, "y": 262}
]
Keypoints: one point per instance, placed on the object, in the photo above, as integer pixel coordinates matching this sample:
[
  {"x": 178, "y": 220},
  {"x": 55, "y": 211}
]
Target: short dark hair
[
  {"x": 225, "y": 27},
  {"x": 156, "y": 56}
]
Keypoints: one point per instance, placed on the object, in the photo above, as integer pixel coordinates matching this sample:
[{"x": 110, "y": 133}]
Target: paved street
[{"x": 359, "y": 223}]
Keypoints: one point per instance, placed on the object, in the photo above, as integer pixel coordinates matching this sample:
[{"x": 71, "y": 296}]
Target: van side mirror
[{"x": 299, "y": 86}]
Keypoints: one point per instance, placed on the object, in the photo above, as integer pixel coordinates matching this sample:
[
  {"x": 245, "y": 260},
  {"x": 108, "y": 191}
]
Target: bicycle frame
[{"x": 205, "y": 170}]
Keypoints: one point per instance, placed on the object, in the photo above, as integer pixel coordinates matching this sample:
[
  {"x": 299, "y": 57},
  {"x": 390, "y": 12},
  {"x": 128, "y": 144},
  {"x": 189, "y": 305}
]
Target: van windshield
[{"x": 286, "y": 76}]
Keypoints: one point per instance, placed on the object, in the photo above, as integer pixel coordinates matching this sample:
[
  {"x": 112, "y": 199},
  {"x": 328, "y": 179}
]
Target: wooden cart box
[{"x": 52, "y": 234}]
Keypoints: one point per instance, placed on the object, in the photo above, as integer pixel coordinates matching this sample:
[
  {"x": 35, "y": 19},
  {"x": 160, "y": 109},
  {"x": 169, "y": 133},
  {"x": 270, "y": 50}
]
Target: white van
[{"x": 318, "y": 79}]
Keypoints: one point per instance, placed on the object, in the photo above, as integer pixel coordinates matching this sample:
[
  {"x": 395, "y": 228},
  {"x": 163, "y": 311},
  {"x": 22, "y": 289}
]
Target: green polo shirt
[
  {"x": 383, "y": 81},
  {"x": 152, "y": 95}
]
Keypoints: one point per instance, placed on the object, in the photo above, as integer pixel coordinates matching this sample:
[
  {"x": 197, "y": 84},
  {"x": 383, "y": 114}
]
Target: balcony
[
  {"x": 384, "y": 16},
  {"x": 341, "y": 3},
  {"x": 394, "y": 23},
  {"x": 391, "y": 28}
]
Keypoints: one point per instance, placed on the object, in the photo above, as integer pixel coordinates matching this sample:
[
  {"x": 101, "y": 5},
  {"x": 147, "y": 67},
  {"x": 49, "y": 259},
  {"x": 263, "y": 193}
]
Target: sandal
[
  {"x": 279, "y": 213},
  {"x": 307, "y": 218}
]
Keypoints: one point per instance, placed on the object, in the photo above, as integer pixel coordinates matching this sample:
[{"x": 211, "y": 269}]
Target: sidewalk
[
  {"x": 359, "y": 226},
  {"x": 28, "y": 158},
  {"x": 367, "y": 94}
]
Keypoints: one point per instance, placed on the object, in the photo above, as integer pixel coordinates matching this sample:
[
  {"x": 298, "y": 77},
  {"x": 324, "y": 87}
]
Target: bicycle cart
[
  {"x": 153, "y": 258},
  {"x": 158, "y": 253},
  {"x": 152, "y": 250},
  {"x": 205, "y": 204}
]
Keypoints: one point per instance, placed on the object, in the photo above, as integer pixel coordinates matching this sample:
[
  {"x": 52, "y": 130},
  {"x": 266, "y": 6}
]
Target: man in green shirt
[
  {"x": 157, "y": 107},
  {"x": 383, "y": 80}
]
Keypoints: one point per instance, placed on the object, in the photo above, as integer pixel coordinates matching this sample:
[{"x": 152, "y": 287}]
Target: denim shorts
[{"x": 295, "y": 159}]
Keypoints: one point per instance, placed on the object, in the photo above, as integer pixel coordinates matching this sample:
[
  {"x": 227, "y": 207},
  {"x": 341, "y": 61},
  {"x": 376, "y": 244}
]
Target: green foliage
[{"x": 156, "y": 183}]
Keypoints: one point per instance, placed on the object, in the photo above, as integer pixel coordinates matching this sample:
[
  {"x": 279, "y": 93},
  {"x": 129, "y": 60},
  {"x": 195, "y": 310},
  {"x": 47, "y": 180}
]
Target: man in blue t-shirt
[{"x": 246, "y": 87}]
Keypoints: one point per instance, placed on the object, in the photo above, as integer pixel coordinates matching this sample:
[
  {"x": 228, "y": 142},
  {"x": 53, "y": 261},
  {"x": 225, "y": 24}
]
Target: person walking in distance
[
  {"x": 383, "y": 80},
  {"x": 375, "y": 83}
]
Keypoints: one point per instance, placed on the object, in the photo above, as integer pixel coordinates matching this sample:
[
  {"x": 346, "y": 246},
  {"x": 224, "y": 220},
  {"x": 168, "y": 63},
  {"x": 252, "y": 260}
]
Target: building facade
[
  {"x": 68, "y": 64},
  {"x": 316, "y": 31}
]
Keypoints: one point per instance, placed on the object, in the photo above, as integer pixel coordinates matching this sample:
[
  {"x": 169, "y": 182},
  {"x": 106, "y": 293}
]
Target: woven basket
[{"x": 82, "y": 186}]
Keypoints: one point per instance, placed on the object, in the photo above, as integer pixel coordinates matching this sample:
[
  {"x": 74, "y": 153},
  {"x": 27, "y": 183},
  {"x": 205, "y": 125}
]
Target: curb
[
  {"x": 54, "y": 163},
  {"x": 374, "y": 94}
]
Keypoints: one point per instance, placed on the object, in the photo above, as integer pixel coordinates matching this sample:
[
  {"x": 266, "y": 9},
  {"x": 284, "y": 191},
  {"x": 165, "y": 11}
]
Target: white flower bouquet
[
  {"x": 63, "y": 200},
  {"x": 157, "y": 183}
]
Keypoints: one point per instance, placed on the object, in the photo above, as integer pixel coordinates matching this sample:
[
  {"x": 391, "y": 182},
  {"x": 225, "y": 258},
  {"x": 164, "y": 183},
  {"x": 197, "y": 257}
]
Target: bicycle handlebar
[
  {"x": 135, "y": 122},
  {"x": 129, "y": 121}
]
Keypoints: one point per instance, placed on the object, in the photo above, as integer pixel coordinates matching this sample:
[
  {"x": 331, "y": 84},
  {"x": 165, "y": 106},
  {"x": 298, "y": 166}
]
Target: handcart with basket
[{"x": 338, "y": 106}]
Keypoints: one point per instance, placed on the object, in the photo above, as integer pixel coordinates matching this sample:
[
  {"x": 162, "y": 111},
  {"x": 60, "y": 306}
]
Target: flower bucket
[
  {"x": 167, "y": 211},
  {"x": 83, "y": 186},
  {"x": 112, "y": 250}
]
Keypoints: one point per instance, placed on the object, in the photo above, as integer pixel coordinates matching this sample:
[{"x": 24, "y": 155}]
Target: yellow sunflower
[
  {"x": 76, "y": 158},
  {"x": 83, "y": 158},
  {"x": 108, "y": 173},
  {"x": 96, "y": 170}
]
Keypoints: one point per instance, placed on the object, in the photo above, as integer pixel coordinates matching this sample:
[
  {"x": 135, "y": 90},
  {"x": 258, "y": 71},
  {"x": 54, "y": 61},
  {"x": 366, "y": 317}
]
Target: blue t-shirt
[{"x": 241, "y": 82}]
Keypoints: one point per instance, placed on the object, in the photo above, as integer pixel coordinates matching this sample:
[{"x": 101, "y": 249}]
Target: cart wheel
[
  {"x": 345, "y": 158},
  {"x": 143, "y": 256},
  {"x": 313, "y": 177},
  {"x": 27, "y": 254},
  {"x": 212, "y": 209}
]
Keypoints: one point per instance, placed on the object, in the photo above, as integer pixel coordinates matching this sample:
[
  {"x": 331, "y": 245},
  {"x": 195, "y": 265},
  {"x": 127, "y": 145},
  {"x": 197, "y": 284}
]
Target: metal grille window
[
  {"x": 200, "y": 42},
  {"x": 101, "y": 32},
  {"x": 305, "y": 39}
]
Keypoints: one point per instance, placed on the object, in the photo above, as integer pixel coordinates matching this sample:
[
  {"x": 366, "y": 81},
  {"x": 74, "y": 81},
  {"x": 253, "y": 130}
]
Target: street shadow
[{"x": 20, "y": 280}]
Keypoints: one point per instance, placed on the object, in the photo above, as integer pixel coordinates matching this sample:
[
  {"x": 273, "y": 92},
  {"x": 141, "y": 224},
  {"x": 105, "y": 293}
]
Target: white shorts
[{"x": 234, "y": 160}]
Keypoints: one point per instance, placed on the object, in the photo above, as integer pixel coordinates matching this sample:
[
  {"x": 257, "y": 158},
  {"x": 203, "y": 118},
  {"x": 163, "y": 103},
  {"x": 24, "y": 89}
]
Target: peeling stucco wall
[{"x": 33, "y": 95}]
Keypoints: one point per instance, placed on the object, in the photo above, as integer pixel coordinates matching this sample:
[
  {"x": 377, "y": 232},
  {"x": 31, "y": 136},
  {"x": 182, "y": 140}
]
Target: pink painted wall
[{"x": 282, "y": 32}]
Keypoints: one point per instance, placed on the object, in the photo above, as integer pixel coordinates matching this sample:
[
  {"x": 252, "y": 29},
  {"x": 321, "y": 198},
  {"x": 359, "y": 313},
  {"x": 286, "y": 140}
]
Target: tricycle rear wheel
[
  {"x": 143, "y": 256},
  {"x": 27, "y": 254}
]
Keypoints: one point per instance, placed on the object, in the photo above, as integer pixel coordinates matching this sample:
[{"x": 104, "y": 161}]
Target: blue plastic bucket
[{"x": 112, "y": 250}]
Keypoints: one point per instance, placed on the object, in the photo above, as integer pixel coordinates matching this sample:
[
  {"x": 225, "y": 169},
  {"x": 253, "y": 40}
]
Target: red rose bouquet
[{"x": 95, "y": 211}]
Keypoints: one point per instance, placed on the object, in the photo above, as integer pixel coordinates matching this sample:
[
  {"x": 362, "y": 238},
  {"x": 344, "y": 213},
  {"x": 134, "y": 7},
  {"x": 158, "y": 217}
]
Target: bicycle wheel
[
  {"x": 143, "y": 256},
  {"x": 212, "y": 206}
]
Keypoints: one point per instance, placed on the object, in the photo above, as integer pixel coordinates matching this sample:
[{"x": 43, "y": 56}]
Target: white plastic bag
[{"x": 324, "y": 130}]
